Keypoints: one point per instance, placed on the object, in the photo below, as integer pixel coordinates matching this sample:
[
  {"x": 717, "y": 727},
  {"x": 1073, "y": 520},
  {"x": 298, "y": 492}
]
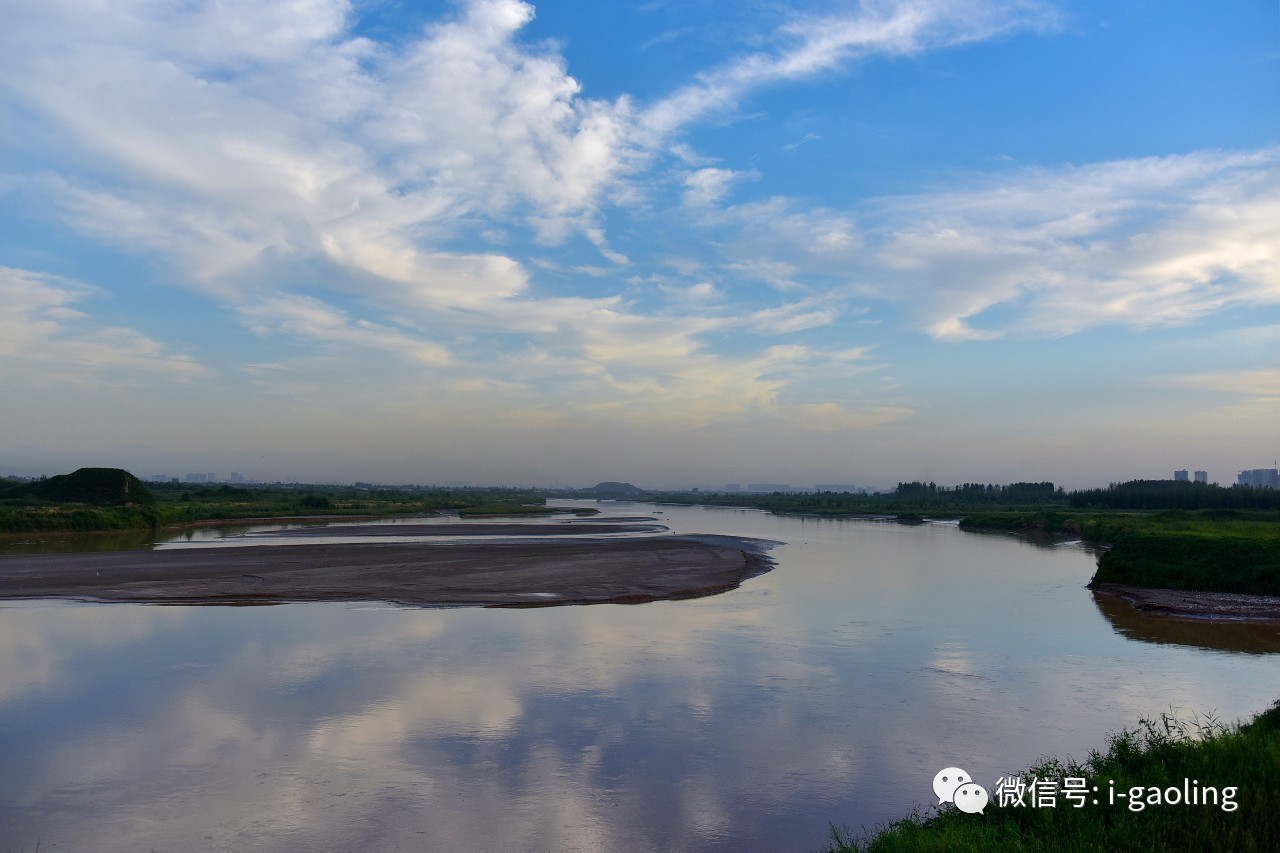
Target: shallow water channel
[{"x": 827, "y": 691}]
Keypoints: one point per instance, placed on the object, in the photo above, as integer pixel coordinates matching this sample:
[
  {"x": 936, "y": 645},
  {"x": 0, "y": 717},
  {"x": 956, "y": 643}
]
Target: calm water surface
[{"x": 830, "y": 690}]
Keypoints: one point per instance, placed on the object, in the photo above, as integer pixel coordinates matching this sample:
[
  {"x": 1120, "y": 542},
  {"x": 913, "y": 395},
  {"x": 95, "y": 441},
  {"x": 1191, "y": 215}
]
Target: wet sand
[
  {"x": 465, "y": 528},
  {"x": 1193, "y": 604},
  {"x": 499, "y": 574},
  {"x": 1256, "y": 636}
]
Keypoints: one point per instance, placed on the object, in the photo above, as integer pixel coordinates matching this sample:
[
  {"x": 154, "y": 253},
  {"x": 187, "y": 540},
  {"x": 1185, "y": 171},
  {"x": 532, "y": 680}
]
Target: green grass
[
  {"x": 74, "y": 518},
  {"x": 1215, "y": 550},
  {"x": 1159, "y": 754}
]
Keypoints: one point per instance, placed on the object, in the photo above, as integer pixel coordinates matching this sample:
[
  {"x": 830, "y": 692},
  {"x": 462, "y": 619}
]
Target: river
[{"x": 829, "y": 690}]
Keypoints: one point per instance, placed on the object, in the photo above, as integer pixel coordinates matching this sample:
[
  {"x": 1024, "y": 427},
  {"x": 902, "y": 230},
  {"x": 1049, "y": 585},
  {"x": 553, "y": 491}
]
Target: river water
[{"x": 827, "y": 691}]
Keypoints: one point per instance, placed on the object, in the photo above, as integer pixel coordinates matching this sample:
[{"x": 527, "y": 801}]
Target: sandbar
[
  {"x": 528, "y": 572},
  {"x": 463, "y": 528},
  {"x": 1195, "y": 604}
]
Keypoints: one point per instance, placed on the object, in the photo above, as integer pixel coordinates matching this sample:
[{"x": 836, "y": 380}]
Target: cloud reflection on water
[{"x": 828, "y": 690}]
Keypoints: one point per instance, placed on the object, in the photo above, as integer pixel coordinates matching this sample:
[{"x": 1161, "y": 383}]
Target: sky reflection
[{"x": 828, "y": 690}]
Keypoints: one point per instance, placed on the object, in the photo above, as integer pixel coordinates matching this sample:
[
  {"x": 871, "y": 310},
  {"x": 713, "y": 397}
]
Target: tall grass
[{"x": 1157, "y": 754}]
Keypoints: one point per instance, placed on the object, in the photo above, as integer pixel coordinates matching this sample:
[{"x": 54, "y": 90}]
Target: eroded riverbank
[{"x": 1195, "y": 603}]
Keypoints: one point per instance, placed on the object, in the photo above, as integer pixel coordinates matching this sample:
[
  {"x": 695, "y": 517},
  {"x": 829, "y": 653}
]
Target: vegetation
[
  {"x": 1159, "y": 754},
  {"x": 914, "y": 497},
  {"x": 1217, "y": 550},
  {"x": 1174, "y": 494},
  {"x": 1213, "y": 550},
  {"x": 94, "y": 499},
  {"x": 87, "y": 499},
  {"x": 93, "y": 486},
  {"x": 180, "y": 504},
  {"x": 74, "y": 518}
]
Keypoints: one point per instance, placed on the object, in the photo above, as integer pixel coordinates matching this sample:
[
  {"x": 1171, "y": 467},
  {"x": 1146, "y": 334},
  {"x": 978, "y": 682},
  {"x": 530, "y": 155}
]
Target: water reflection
[
  {"x": 831, "y": 689},
  {"x": 1225, "y": 634},
  {"x": 74, "y": 543}
]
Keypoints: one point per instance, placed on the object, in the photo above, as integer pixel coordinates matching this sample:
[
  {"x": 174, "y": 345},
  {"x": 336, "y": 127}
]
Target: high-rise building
[
  {"x": 1202, "y": 477},
  {"x": 1260, "y": 478},
  {"x": 1181, "y": 476}
]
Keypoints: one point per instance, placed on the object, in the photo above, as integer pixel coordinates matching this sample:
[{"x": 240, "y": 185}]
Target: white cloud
[
  {"x": 240, "y": 132},
  {"x": 231, "y": 131},
  {"x": 1151, "y": 242},
  {"x": 309, "y": 317},
  {"x": 269, "y": 156},
  {"x": 818, "y": 45},
  {"x": 706, "y": 187},
  {"x": 834, "y": 417},
  {"x": 793, "y": 317},
  {"x": 40, "y": 328}
]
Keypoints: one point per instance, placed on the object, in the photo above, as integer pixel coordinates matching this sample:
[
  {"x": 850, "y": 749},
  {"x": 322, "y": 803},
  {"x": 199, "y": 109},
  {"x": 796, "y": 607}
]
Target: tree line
[{"x": 1174, "y": 494}]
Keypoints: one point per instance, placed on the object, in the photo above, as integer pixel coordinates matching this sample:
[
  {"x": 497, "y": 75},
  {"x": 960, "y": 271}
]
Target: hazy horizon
[
  {"x": 756, "y": 486},
  {"x": 673, "y": 244}
]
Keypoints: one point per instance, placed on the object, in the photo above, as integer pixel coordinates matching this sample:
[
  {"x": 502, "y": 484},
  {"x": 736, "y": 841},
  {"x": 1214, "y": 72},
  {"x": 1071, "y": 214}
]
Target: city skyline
[{"x": 663, "y": 243}]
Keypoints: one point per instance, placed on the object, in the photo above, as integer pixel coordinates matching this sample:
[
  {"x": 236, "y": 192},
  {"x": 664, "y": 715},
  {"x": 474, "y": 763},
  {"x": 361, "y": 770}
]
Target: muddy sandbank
[
  {"x": 1256, "y": 636},
  {"x": 1195, "y": 604},
  {"x": 459, "y": 528},
  {"x": 524, "y": 573}
]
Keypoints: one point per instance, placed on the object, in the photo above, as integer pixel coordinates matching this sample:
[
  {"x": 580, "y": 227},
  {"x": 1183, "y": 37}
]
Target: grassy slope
[{"x": 1160, "y": 754}]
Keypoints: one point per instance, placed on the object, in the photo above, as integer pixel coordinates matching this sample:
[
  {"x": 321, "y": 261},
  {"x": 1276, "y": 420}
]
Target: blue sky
[{"x": 675, "y": 243}]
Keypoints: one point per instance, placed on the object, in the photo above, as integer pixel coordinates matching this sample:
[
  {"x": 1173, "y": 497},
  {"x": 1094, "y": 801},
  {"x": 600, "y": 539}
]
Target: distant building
[
  {"x": 771, "y": 487},
  {"x": 733, "y": 487},
  {"x": 1202, "y": 477},
  {"x": 840, "y": 487},
  {"x": 1181, "y": 476},
  {"x": 1260, "y": 478},
  {"x": 195, "y": 478}
]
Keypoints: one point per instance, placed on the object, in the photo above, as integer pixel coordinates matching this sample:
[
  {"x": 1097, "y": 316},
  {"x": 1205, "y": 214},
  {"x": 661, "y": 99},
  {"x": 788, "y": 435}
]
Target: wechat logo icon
[{"x": 953, "y": 785}]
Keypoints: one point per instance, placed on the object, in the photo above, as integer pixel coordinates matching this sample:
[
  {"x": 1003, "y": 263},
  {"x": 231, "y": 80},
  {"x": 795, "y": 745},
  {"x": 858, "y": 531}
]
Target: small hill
[
  {"x": 97, "y": 486},
  {"x": 614, "y": 488}
]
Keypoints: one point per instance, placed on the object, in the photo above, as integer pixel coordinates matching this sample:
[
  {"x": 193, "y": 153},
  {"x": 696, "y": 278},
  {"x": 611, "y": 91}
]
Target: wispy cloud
[
  {"x": 40, "y": 326},
  {"x": 790, "y": 147},
  {"x": 709, "y": 186},
  {"x": 309, "y": 317},
  {"x": 1151, "y": 242},
  {"x": 1258, "y": 386},
  {"x": 811, "y": 46},
  {"x": 794, "y": 317}
]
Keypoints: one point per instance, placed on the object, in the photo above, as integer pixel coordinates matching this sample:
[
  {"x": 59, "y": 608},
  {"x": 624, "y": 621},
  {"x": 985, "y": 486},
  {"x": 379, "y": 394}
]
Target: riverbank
[
  {"x": 535, "y": 570},
  {"x": 1222, "y": 551},
  {"x": 1138, "y": 797},
  {"x": 1195, "y": 604}
]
